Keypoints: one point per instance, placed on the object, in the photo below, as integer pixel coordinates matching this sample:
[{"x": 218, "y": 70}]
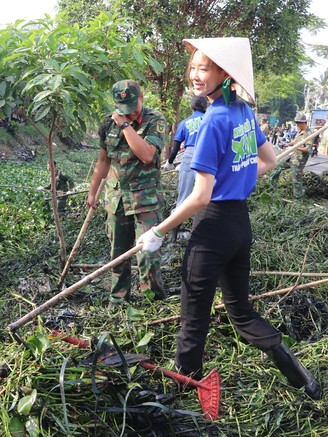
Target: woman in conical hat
[{"x": 230, "y": 153}]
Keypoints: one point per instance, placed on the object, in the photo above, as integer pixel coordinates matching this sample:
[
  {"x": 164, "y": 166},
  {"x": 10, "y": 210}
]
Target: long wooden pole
[
  {"x": 81, "y": 235},
  {"x": 253, "y": 273},
  {"x": 90, "y": 168},
  {"x": 292, "y": 149},
  {"x": 220, "y": 306},
  {"x": 278, "y": 273},
  {"x": 70, "y": 290},
  {"x": 24, "y": 187},
  {"x": 68, "y": 193}
]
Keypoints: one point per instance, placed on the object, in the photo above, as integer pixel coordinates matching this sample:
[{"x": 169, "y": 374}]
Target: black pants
[{"x": 218, "y": 252}]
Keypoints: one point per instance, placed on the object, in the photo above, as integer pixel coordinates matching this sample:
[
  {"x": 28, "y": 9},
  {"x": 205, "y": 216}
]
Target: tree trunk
[{"x": 52, "y": 134}]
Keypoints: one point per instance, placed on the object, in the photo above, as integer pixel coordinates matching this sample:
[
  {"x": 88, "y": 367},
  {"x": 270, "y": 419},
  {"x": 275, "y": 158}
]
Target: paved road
[{"x": 317, "y": 164}]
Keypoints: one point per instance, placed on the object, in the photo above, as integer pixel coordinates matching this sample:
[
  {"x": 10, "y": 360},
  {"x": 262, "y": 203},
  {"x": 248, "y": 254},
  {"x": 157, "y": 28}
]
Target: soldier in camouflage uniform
[
  {"x": 131, "y": 141},
  {"x": 64, "y": 184},
  {"x": 297, "y": 161}
]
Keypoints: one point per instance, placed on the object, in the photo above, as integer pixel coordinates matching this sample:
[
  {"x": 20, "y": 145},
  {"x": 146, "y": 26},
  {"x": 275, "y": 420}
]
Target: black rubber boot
[{"x": 295, "y": 372}]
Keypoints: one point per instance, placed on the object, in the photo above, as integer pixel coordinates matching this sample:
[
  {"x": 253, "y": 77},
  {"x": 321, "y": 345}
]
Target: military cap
[
  {"x": 300, "y": 118},
  {"x": 126, "y": 94}
]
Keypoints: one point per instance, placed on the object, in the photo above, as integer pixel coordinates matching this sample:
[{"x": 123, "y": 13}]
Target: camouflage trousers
[
  {"x": 62, "y": 204},
  {"x": 123, "y": 231},
  {"x": 296, "y": 166}
]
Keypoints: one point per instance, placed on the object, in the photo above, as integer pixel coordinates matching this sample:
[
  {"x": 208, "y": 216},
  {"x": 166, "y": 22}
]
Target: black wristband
[{"x": 125, "y": 124}]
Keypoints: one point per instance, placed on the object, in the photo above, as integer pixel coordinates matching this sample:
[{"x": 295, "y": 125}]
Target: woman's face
[{"x": 204, "y": 76}]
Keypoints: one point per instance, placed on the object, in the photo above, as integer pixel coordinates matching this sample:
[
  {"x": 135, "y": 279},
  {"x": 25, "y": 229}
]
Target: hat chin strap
[{"x": 225, "y": 85}]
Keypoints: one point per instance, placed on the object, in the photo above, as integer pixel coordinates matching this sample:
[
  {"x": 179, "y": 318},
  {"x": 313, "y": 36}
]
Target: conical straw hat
[{"x": 234, "y": 56}]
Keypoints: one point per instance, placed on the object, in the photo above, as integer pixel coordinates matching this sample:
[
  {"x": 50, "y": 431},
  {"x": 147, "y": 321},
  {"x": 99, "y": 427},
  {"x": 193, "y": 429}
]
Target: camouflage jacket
[
  {"x": 300, "y": 158},
  {"x": 129, "y": 179},
  {"x": 302, "y": 135},
  {"x": 63, "y": 183}
]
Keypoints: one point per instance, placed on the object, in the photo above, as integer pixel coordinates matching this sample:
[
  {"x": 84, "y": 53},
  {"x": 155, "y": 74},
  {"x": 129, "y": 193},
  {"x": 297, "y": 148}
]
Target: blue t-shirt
[
  {"x": 226, "y": 147},
  {"x": 188, "y": 129}
]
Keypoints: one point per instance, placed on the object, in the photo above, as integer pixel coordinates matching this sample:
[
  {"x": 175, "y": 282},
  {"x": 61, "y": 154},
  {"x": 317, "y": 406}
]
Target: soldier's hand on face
[
  {"x": 150, "y": 241},
  {"x": 118, "y": 118}
]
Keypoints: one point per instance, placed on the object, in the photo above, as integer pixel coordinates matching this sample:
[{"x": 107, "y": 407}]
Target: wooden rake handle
[
  {"x": 70, "y": 290},
  {"x": 81, "y": 234},
  {"x": 300, "y": 143}
]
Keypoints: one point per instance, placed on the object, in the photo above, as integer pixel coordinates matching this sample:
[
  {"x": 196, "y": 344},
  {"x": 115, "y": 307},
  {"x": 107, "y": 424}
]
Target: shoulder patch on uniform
[{"x": 160, "y": 126}]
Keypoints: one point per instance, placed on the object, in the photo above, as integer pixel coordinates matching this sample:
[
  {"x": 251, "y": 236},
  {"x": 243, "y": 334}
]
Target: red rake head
[
  {"x": 208, "y": 388},
  {"x": 209, "y": 395}
]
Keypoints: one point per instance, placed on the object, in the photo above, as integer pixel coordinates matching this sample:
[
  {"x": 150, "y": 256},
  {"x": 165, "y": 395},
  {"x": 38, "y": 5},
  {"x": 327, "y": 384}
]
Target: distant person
[
  {"x": 282, "y": 131},
  {"x": 293, "y": 130},
  {"x": 265, "y": 127},
  {"x": 315, "y": 144},
  {"x": 186, "y": 133},
  {"x": 64, "y": 185},
  {"x": 275, "y": 133},
  {"x": 297, "y": 160}
]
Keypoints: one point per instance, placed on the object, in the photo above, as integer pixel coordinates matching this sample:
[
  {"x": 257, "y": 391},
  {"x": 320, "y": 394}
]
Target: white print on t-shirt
[
  {"x": 193, "y": 124},
  {"x": 244, "y": 164},
  {"x": 245, "y": 147}
]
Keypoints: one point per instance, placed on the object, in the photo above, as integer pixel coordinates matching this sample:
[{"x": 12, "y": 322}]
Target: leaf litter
[{"x": 46, "y": 390}]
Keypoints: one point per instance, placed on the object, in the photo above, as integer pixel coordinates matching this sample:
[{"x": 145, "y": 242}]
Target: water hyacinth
[{"x": 47, "y": 390}]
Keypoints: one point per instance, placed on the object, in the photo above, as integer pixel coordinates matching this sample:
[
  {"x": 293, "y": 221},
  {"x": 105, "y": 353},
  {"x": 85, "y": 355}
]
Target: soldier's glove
[
  {"x": 168, "y": 166},
  {"x": 150, "y": 241}
]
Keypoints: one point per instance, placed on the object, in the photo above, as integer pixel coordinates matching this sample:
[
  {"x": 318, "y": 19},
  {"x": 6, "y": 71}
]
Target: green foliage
[
  {"x": 17, "y": 223},
  {"x": 25, "y": 404},
  {"x": 49, "y": 392},
  {"x": 82, "y": 11},
  {"x": 273, "y": 28},
  {"x": 27, "y": 232},
  {"x": 60, "y": 74},
  {"x": 282, "y": 95},
  {"x": 6, "y": 138}
]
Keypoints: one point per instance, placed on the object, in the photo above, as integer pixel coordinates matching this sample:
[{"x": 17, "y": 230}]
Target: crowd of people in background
[
  {"x": 281, "y": 135},
  {"x": 278, "y": 135}
]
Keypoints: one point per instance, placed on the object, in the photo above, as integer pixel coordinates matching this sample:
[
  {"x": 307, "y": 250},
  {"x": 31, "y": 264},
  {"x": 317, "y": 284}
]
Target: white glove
[
  {"x": 177, "y": 168},
  {"x": 40, "y": 188},
  {"x": 150, "y": 241},
  {"x": 168, "y": 166},
  {"x": 69, "y": 192}
]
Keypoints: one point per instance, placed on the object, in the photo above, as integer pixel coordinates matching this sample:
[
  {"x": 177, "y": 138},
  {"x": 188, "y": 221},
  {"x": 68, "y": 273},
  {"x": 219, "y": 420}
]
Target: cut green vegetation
[{"x": 50, "y": 387}]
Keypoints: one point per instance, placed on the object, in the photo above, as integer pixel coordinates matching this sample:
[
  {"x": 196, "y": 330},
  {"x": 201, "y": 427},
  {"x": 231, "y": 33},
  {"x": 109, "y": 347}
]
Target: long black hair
[{"x": 199, "y": 103}]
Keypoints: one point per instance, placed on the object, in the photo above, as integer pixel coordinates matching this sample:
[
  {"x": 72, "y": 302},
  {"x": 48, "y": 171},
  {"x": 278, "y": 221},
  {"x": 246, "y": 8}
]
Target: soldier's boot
[
  {"x": 174, "y": 234},
  {"x": 297, "y": 375},
  {"x": 118, "y": 298}
]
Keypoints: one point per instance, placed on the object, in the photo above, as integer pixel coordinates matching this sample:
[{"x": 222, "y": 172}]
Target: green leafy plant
[{"x": 59, "y": 74}]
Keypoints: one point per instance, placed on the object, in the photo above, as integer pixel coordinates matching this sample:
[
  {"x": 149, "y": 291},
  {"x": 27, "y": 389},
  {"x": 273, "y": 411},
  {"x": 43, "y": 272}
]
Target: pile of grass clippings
[{"x": 45, "y": 388}]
